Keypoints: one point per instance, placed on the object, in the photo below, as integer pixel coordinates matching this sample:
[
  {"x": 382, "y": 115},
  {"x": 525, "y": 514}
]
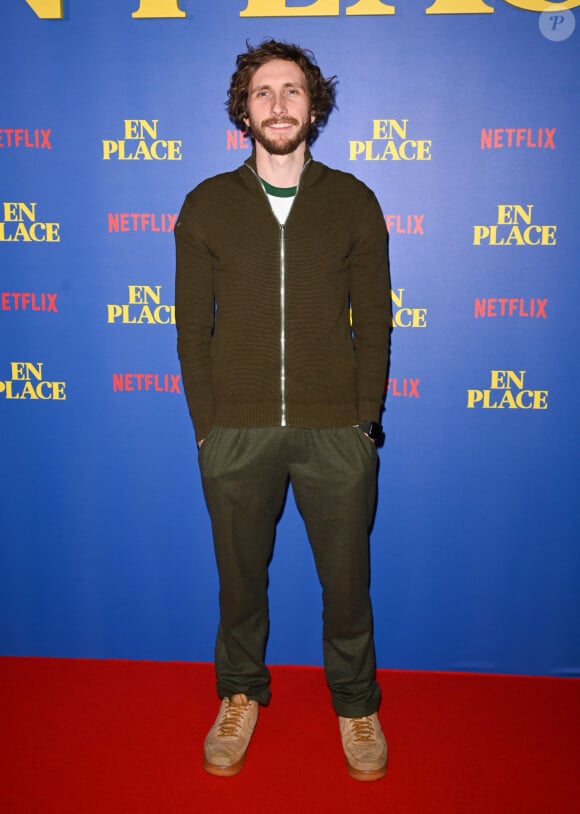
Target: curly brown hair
[{"x": 322, "y": 91}]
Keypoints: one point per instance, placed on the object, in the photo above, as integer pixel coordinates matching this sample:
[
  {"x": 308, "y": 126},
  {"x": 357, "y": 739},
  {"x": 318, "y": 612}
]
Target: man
[{"x": 272, "y": 259}]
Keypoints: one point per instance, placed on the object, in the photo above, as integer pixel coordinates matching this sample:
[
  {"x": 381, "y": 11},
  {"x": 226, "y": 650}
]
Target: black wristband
[{"x": 374, "y": 430}]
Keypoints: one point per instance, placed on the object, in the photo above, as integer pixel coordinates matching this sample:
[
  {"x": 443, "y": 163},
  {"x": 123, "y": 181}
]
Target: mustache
[{"x": 280, "y": 120}]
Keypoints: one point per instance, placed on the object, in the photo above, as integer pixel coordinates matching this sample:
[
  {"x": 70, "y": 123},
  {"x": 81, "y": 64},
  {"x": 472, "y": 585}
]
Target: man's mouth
[{"x": 279, "y": 124}]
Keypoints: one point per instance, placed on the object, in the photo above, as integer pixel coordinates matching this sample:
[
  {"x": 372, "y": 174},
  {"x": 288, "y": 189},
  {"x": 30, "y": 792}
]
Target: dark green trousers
[{"x": 333, "y": 474}]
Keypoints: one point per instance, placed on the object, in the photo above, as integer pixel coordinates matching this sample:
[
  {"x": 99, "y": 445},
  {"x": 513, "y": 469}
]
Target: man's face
[{"x": 279, "y": 115}]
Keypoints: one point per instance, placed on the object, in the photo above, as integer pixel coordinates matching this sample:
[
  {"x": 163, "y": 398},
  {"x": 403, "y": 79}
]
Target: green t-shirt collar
[{"x": 279, "y": 192}]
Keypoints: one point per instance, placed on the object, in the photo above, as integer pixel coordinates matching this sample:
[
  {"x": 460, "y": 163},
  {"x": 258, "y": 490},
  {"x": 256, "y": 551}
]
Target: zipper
[
  {"x": 283, "y": 324},
  {"x": 282, "y": 233}
]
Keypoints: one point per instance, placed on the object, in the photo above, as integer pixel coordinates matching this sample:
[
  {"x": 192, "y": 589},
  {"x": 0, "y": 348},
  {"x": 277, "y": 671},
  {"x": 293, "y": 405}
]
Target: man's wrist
[{"x": 374, "y": 430}]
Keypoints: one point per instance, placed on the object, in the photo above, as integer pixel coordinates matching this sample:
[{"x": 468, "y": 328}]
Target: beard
[{"x": 276, "y": 145}]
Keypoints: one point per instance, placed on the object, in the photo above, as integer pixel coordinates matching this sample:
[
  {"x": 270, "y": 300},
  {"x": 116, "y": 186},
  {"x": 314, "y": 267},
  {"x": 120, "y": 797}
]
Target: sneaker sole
[
  {"x": 370, "y": 776},
  {"x": 224, "y": 771}
]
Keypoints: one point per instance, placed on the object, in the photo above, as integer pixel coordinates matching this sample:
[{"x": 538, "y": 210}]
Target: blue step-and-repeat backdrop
[{"x": 462, "y": 116}]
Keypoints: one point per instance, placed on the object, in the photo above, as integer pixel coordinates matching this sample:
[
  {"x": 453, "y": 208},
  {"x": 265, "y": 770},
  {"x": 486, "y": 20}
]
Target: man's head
[{"x": 319, "y": 92}]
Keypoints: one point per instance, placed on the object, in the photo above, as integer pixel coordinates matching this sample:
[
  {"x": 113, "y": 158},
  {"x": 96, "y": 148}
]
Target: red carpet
[{"x": 90, "y": 736}]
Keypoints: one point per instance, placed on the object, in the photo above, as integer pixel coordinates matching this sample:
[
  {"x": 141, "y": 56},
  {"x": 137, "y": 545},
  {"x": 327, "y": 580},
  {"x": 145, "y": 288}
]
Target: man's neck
[{"x": 280, "y": 170}]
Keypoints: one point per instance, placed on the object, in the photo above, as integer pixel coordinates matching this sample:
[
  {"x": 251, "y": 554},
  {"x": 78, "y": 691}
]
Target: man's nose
[{"x": 278, "y": 104}]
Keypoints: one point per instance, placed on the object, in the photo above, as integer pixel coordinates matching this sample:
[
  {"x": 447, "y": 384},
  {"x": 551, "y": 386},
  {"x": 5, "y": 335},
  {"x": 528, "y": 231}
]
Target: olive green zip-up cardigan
[{"x": 262, "y": 310}]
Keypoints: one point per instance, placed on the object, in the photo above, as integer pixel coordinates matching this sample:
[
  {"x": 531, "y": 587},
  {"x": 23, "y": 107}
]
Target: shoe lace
[
  {"x": 232, "y": 719},
  {"x": 362, "y": 729}
]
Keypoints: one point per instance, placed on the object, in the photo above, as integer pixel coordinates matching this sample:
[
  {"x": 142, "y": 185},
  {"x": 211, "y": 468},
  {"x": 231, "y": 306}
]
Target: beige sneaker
[
  {"x": 365, "y": 747},
  {"x": 225, "y": 747}
]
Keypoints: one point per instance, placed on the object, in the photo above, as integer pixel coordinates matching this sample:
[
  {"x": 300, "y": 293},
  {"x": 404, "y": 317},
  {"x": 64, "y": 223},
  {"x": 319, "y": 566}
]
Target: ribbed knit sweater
[{"x": 263, "y": 325}]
